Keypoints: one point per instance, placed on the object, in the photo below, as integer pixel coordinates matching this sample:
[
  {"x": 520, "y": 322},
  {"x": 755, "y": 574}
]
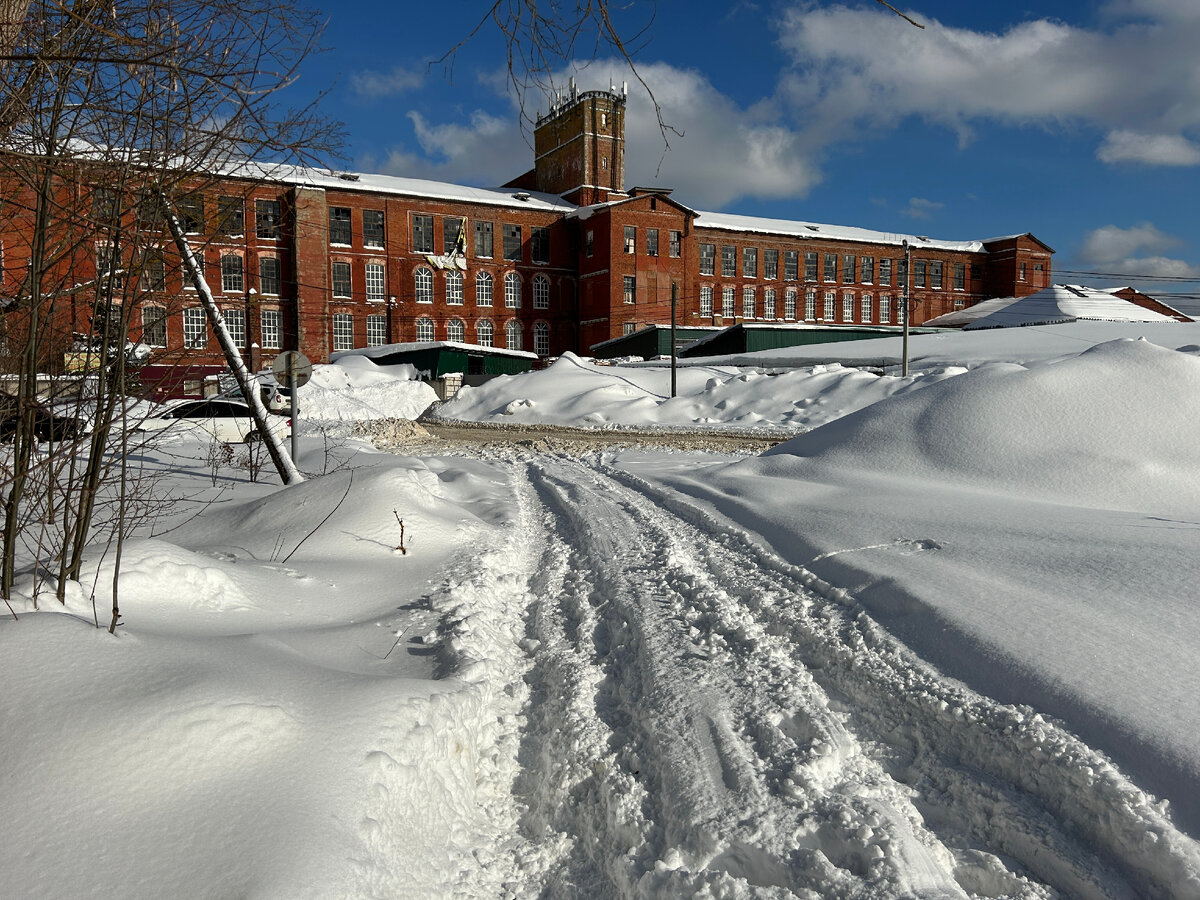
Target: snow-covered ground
[{"x": 943, "y": 643}]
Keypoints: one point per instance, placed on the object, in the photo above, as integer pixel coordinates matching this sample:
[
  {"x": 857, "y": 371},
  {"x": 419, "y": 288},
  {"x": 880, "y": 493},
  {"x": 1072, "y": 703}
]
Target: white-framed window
[
  {"x": 749, "y": 262},
  {"x": 195, "y": 329},
  {"x": 769, "y": 303},
  {"x": 748, "y": 303},
  {"x": 268, "y": 275},
  {"x": 827, "y": 306},
  {"x": 235, "y": 324},
  {"x": 629, "y": 288},
  {"x": 810, "y": 306},
  {"x": 483, "y": 289},
  {"x": 341, "y": 279},
  {"x": 375, "y": 282},
  {"x": 376, "y": 330},
  {"x": 789, "y": 304},
  {"x": 541, "y": 292},
  {"x": 630, "y": 235},
  {"x": 512, "y": 290},
  {"x": 423, "y": 286},
  {"x": 848, "y": 306},
  {"x": 232, "y": 278},
  {"x": 706, "y": 298},
  {"x": 154, "y": 326},
  {"x": 343, "y": 331},
  {"x": 424, "y": 329},
  {"x": 864, "y": 307},
  {"x": 727, "y": 302},
  {"x": 454, "y": 288},
  {"x": 484, "y": 332},
  {"x": 272, "y": 329},
  {"x": 456, "y": 330},
  {"x": 885, "y": 308},
  {"x": 512, "y": 334},
  {"x": 541, "y": 338}
]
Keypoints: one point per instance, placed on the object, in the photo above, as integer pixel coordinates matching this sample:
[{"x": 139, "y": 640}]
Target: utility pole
[
  {"x": 904, "y": 313},
  {"x": 674, "y": 291}
]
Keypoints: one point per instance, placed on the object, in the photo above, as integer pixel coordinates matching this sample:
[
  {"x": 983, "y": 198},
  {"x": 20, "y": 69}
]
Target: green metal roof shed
[
  {"x": 651, "y": 341},
  {"x": 749, "y": 337},
  {"x": 433, "y": 359}
]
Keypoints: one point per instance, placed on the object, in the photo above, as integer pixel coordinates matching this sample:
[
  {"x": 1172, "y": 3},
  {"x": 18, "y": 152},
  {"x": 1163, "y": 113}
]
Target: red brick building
[{"x": 559, "y": 259}]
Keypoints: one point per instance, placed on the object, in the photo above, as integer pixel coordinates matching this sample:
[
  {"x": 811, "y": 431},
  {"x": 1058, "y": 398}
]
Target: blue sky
[{"x": 1078, "y": 121}]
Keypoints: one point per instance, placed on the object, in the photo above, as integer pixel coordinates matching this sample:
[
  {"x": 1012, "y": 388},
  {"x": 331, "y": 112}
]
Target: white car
[{"x": 218, "y": 417}]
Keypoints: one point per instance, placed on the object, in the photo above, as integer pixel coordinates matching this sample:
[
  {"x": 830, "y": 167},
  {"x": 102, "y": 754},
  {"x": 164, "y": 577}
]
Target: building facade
[{"x": 561, "y": 258}]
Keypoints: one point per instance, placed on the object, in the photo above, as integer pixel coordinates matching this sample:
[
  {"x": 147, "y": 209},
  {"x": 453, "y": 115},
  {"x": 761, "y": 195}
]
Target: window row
[
  {"x": 484, "y": 289},
  {"x": 482, "y": 234},
  {"x": 866, "y": 309},
  {"x": 150, "y": 272},
  {"x": 195, "y": 327},
  {"x": 846, "y": 268},
  {"x": 193, "y": 211},
  {"x": 674, "y": 242},
  {"x": 455, "y": 330}
]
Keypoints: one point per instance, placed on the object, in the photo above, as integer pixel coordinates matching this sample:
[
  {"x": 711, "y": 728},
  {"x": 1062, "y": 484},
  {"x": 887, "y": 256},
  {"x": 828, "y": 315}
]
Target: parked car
[
  {"x": 219, "y": 417},
  {"x": 47, "y": 424}
]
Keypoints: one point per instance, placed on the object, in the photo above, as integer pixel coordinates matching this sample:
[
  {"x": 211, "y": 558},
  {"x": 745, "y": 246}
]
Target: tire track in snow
[
  {"x": 683, "y": 748},
  {"x": 989, "y": 777}
]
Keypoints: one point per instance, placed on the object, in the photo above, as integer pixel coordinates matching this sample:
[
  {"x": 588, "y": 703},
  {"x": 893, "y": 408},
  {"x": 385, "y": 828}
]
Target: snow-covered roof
[
  {"x": 408, "y": 187},
  {"x": 730, "y": 222},
  {"x": 1053, "y": 304},
  {"x": 960, "y": 317},
  {"x": 411, "y": 346}
]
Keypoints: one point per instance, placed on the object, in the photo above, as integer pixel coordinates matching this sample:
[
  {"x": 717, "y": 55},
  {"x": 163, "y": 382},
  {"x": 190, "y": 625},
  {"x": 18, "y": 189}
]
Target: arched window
[
  {"x": 541, "y": 338},
  {"x": 512, "y": 335},
  {"x": 483, "y": 289},
  {"x": 454, "y": 288},
  {"x": 484, "y": 332},
  {"x": 512, "y": 290},
  {"x": 541, "y": 292},
  {"x": 456, "y": 331},
  {"x": 423, "y": 285},
  {"x": 424, "y": 329}
]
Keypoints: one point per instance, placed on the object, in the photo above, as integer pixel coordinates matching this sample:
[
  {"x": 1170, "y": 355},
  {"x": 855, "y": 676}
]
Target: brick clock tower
[{"x": 579, "y": 146}]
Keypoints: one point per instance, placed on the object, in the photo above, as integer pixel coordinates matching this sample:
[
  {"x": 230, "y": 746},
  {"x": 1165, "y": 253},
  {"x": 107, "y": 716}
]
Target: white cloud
[
  {"x": 725, "y": 152},
  {"x": 487, "y": 151},
  {"x": 857, "y": 70},
  {"x": 386, "y": 84},
  {"x": 920, "y": 208},
  {"x": 1134, "y": 251},
  {"x": 1151, "y": 149}
]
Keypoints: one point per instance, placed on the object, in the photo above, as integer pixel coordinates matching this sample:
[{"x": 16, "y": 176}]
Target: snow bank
[
  {"x": 1088, "y": 430},
  {"x": 578, "y": 392},
  {"x": 355, "y": 388}
]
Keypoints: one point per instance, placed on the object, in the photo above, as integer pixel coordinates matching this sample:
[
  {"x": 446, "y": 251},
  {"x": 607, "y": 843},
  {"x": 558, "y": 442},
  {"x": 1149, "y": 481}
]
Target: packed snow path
[{"x": 702, "y": 718}]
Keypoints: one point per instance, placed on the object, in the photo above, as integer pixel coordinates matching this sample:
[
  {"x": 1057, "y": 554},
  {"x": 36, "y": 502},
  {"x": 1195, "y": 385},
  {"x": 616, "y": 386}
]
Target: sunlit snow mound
[
  {"x": 1117, "y": 426},
  {"x": 355, "y": 388},
  {"x": 578, "y": 392}
]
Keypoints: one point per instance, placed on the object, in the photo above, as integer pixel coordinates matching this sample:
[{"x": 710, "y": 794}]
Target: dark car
[{"x": 47, "y": 425}]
